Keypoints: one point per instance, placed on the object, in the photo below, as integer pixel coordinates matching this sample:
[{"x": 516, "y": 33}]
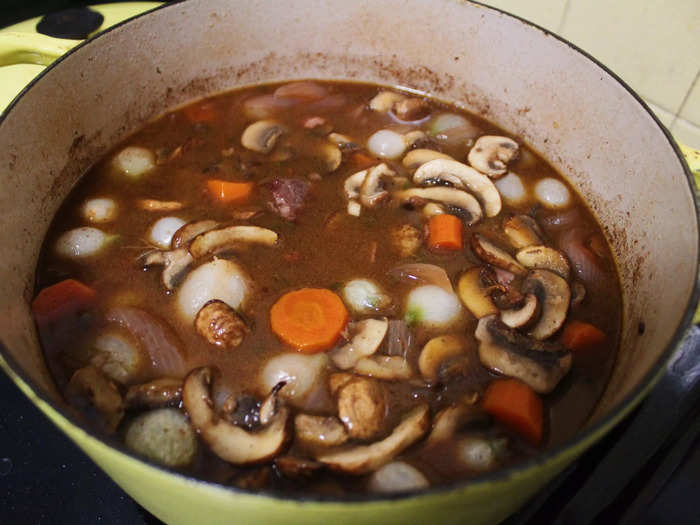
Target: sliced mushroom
[
  {"x": 190, "y": 230},
  {"x": 156, "y": 205},
  {"x": 492, "y": 254},
  {"x": 523, "y": 231},
  {"x": 319, "y": 431},
  {"x": 449, "y": 196},
  {"x": 362, "y": 407},
  {"x": 175, "y": 262},
  {"x": 353, "y": 184},
  {"x": 474, "y": 293},
  {"x": 406, "y": 240},
  {"x": 449, "y": 420},
  {"x": 229, "y": 442},
  {"x": 436, "y": 352},
  {"x": 417, "y": 157},
  {"x": 524, "y": 316},
  {"x": 371, "y": 193},
  {"x": 89, "y": 387},
  {"x": 541, "y": 370},
  {"x": 261, "y": 136},
  {"x": 364, "y": 459},
  {"x": 294, "y": 467},
  {"x": 220, "y": 325},
  {"x": 441, "y": 171},
  {"x": 578, "y": 293},
  {"x": 384, "y": 101},
  {"x": 414, "y": 137},
  {"x": 544, "y": 258},
  {"x": 368, "y": 335},
  {"x": 214, "y": 241},
  {"x": 166, "y": 391},
  {"x": 491, "y": 154},
  {"x": 411, "y": 109},
  {"x": 331, "y": 156},
  {"x": 554, "y": 295},
  {"x": 385, "y": 367},
  {"x": 342, "y": 141}
]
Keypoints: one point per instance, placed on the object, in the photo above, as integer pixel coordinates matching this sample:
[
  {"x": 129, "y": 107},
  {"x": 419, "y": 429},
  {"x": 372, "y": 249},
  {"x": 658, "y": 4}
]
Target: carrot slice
[
  {"x": 578, "y": 335},
  {"x": 200, "y": 112},
  {"x": 230, "y": 192},
  {"x": 517, "y": 406},
  {"x": 445, "y": 232},
  {"x": 62, "y": 299},
  {"x": 363, "y": 160},
  {"x": 309, "y": 319}
]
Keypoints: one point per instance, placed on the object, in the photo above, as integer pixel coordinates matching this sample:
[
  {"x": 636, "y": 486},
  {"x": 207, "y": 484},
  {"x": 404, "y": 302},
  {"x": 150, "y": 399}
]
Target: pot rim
[{"x": 614, "y": 415}]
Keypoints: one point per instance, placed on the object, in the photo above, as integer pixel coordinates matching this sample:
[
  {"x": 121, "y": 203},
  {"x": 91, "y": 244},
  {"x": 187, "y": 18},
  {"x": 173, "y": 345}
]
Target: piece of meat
[
  {"x": 362, "y": 407},
  {"x": 288, "y": 197}
]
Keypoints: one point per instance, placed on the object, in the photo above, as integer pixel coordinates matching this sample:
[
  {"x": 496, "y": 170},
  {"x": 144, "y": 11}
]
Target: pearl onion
[
  {"x": 99, "y": 210},
  {"x": 163, "y": 230},
  {"x": 552, "y": 193},
  {"x": 81, "y": 242},
  {"x": 511, "y": 187},
  {"x": 386, "y": 144},
  {"x": 135, "y": 161}
]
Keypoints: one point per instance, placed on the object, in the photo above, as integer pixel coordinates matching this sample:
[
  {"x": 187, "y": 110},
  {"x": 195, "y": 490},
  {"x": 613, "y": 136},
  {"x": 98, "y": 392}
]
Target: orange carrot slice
[
  {"x": 578, "y": 335},
  {"x": 230, "y": 192},
  {"x": 62, "y": 299},
  {"x": 517, "y": 406},
  {"x": 445, "y": 232}
]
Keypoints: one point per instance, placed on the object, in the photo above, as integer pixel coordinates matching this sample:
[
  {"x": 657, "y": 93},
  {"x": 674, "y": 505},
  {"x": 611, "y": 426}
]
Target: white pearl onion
[
  {"x": 99, "y": 210},
  {"x": 81, "y": 242},
  {"x": 386, "y": 144},
  {"x": 552, "y": 193},
  {"x": 511, "y": 187},
  {"x": 135, "y": 161},
  {"x": 163, "y": 230}
]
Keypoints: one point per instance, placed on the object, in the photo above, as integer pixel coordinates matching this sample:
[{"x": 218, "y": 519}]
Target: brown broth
[{"x": 310, "y": 254}]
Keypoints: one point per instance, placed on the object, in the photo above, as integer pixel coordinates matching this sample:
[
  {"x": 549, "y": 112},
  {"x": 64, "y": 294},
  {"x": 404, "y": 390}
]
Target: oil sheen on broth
[{"x": 326, "y": 288}]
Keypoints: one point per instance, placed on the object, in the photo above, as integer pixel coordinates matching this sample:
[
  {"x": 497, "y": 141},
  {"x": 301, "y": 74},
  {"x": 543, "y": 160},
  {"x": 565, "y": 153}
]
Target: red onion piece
[
  {"x": 302, "y": 91},
  {"x": 584, "y": 262},
  {"x": 423, "y": 274},
  {"x": 265, "y": 106},
  {"x": 399, "y": 338},
  {"x": 155, "y": 337}
]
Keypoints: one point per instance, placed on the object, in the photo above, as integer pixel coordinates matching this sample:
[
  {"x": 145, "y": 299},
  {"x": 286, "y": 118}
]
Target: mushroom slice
[
  {"x": 450, "y": 196},
  {"x": 544, "y": 258},
  {"x": 371, "y": 194},
  {"x": 525, "y": 315},
  {"x": 491, "y": 154},
  {"x": 331, "y": 156},
  {"x": 475, "y": 294},
  {"x": 294, "y": 467},
  {"x": 365, "y": 459},
  {"x": 175, "y": 262},
  {"x": 342, "y": 141},
  {"x": 449, "y": 420},
  {"x": 220, "y": 325},
  {"x": 227, "y": 238},
  {"x": 369, "y": 334},
  {"x": 411, "y": 109},
  {"x": 385, "y": 367},
  {"x": 541, "y": 370},
  {"x": 523, "y": 231},
  {"x": 190, "y": 230},
  {"x": 319, "y": 431},
  {"x": 261, "y": 136},
  {"x": 413, "y": 137},
  {"x": 417, "y": 157},
  {"x": 89, "y": 386},
  {"x": 436, "y": 352},
  {"x": 229, "y": 442},
  {"x": 578, "y": 293},
  {"x": 166, "y": 391},
  {"x": 492, "y": 254},
  {"x": 353, "y": 184},
  {"x": 156, "y": 205},
  {"x": 441, "y": 171},
  {"x": 362, "y": 407},
  {"x": 554, "y": 294},
  {"x": 384, "y": 101}
]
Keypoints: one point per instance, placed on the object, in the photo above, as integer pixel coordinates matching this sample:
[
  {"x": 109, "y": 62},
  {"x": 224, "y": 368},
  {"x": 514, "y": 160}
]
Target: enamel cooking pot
[{"x": 581, "y": 117}]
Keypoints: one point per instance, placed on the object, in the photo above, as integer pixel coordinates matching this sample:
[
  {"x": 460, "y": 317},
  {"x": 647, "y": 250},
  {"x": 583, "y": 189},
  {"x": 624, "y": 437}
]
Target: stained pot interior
[{"x": 527, "y": 81}]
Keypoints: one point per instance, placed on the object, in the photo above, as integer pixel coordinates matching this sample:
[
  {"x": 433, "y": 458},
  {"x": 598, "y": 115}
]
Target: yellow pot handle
[{"x": 32, "y": 48}]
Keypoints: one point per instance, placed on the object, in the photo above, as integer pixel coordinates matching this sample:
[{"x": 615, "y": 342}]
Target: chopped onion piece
[
  {"x": 82, "y": 242},
  {"x": 162, "y": 231},
  {"x": 386, "y": 144},
  {"x": 446, "y": 121},
  {"x": 363, "y": 296},
  {"x": 552, "y": 193},
  {"x": 397, "y": 477},
  {"x": 432, "y": 306},
  {"x": 99, "y": 210},
  {"x": 135, "y": 161},
  {"x": 301, "y": 372},
  {"x": 423, "y": 273},
  {"x": 511, "y": 188}
]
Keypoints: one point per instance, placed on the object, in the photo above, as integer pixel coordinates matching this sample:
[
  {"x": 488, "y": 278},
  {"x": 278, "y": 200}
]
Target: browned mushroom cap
[
  {"x": 418, "y": 157},
  {"x": 367, "y": 336},
  {"x": 229, "y": 442},
  {"x": 545, "y": 258},
  {"x": 362, "y": 407},
  {"x": 231, "y": 237},
  {"x": 190, "y": 230},
  {"x": 474, "y": 293},
  {"x": 262, "y": 136},
  {"x": 364, "y": 459},
  {"x": 319, "y": 431},
  {"x": 460, "y": 175},
  {"x": 89, "y": 386},
  {"x": 450, "y": 196},
  {"x": 387, "y": 368},
  {"x": 492, "y": 254},
  {"x": 220, "y": 325},
  {"x": 175, "y": 263},
  {"x": 541, "y": 369},
  {"x": 436, "y": 352},
  {"x": 523, "y": 316},
  {"x": 522, "y": 230},
  {"x": 163, "y": 392},
  {"x": 554, "y": 295},
  {"x": 491, "y": 154}
]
